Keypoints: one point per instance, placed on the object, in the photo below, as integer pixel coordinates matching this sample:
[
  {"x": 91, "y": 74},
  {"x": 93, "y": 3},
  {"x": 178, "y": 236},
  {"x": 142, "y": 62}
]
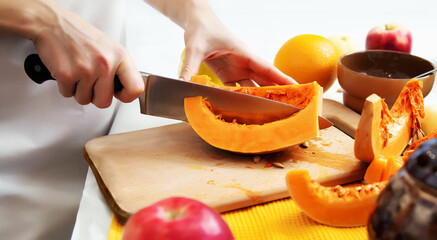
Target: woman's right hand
[{"x": 81, "y": 58}]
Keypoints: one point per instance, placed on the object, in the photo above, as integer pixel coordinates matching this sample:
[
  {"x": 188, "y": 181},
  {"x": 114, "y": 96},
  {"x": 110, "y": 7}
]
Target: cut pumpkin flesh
[
  {"x": 259, "y": 138},
  {"x": 387, "y": 133},
  {"x": 393, "y": 166},
  {"x": 295, "y": 95},
  {"x": 375, "y": 170},
  {"x": 382, "y": 168},
  {"x": 334, "y": 206}
]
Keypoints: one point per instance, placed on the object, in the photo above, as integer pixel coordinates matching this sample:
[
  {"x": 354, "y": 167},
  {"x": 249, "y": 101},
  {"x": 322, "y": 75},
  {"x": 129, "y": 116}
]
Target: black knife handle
[{"x": 38, "y": 72}]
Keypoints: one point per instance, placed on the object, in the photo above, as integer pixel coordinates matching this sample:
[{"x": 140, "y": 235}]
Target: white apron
[{"x": 42, "y": 134}]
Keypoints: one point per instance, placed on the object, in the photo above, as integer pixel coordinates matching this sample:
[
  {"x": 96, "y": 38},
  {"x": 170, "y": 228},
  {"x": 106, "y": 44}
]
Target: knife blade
[{"x": 164, "y": 97}]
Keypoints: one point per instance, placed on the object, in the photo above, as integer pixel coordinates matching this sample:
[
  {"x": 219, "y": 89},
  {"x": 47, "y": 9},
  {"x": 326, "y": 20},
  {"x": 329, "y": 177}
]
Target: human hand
[
  {"x": 227, "y": 56},
  {"x": 84, "y": 60}
]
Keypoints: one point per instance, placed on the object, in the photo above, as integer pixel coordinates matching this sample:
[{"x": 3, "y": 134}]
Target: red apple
[
  {"x": 393, "y": 37},
  {"x": 177, "y": 218}
]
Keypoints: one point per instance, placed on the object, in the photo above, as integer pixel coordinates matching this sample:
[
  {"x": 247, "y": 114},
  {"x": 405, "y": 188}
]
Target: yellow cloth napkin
[{"x": 281, "y": 219}]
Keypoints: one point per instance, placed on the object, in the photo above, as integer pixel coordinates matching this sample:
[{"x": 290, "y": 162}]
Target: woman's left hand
[{"x": 208, "y": 40}]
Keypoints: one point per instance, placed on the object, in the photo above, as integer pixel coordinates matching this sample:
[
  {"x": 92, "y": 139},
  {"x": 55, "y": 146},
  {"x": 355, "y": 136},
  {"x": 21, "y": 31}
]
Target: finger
[
  {"x": 264, "y": 73},
  {"x": 84, "y": 92},
  {"x": 193, "y": 59},
  {"x": 219, "y": 66},
  {"x": 260, "y": 80},
  {"x": 280, "y": 78},
  {"x": 66, "y": 90},
  {"x": 130, "y": 78},
  {"x": 244, "y": 83},
  {"x": 66, "y": 85},
  {"x": 103, "y": 92}
]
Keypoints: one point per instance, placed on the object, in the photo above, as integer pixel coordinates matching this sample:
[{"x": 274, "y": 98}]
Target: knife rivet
[{"x": 37, "y": 68}]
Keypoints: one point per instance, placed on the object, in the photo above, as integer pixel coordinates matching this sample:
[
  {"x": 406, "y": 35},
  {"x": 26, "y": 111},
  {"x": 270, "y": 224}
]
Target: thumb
[
  {"x": 130, "y": 78},
  {"x": 191, "y": 65}
]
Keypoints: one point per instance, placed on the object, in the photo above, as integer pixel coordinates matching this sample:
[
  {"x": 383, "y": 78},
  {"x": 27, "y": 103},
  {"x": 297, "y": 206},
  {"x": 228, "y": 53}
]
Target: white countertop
[{"x": 155, "y": 44}]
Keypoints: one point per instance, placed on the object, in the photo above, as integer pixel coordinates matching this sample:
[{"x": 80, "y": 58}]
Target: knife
[{"x": 164, "y": 97}]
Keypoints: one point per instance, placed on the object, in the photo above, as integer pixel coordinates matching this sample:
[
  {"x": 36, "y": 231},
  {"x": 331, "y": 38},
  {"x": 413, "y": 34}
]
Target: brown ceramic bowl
[{"x": 385, "y": 73}]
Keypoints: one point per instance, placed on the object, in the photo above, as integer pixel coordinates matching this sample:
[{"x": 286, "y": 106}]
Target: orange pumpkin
[
  {"x": 334, "y": 206},
  {"x": 259, "y": 138},
  {"x": 387, "y": 133}
]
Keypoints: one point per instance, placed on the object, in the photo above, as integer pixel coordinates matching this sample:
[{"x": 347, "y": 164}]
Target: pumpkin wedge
[
  {"x": 387, "y": 132},
  {"x": 394, "y": 164},
  {"x": 268, "y": 137},
  {"x": 295, "y": 95},
  {"x": 375, "y": 170},
  {"x": 334, "y": 206},
  {"x": 382, "y": 168}
]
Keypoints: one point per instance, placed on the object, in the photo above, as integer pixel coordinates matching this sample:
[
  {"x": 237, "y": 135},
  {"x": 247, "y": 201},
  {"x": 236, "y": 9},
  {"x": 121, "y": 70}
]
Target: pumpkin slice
[
  {"x": 387, "y": 133},
  {"x": 334, "y": 206},
  {"x": 259, "y": 138},
  {"x": 382, "y": 168},
  {"x": 296, "y": 95},
  {"x": 375, "y": 170},
  {"x": 393, "y": 166}
]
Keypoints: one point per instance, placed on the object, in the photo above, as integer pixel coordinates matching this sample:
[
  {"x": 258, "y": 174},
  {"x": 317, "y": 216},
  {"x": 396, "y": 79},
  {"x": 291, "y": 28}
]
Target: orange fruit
[{"x": 307, "y": 58}]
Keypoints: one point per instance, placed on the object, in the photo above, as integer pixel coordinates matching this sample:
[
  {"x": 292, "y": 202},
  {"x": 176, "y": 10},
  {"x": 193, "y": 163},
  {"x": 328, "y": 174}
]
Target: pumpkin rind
[
  {"x": 387, "y": 133},
  {"x": 333, "y": 206},
  {"x": 253, "y": 138}
]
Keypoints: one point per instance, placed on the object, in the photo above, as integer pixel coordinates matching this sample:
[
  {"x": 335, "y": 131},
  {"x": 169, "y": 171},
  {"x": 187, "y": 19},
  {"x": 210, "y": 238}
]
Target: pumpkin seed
[
  {"x": 304, "y": 144},
  {"x": 336, "y": 188},
  {"x": 278, "y": 164},
  {"x": 341, "y": 193}
]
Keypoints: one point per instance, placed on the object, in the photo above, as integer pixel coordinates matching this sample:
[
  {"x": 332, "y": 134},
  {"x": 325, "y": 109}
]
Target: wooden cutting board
[{"x": 136, "y": 169}]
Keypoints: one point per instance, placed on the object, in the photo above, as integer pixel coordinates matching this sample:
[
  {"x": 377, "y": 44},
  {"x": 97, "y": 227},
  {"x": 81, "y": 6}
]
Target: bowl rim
[{"x": 340, "y": 63}]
